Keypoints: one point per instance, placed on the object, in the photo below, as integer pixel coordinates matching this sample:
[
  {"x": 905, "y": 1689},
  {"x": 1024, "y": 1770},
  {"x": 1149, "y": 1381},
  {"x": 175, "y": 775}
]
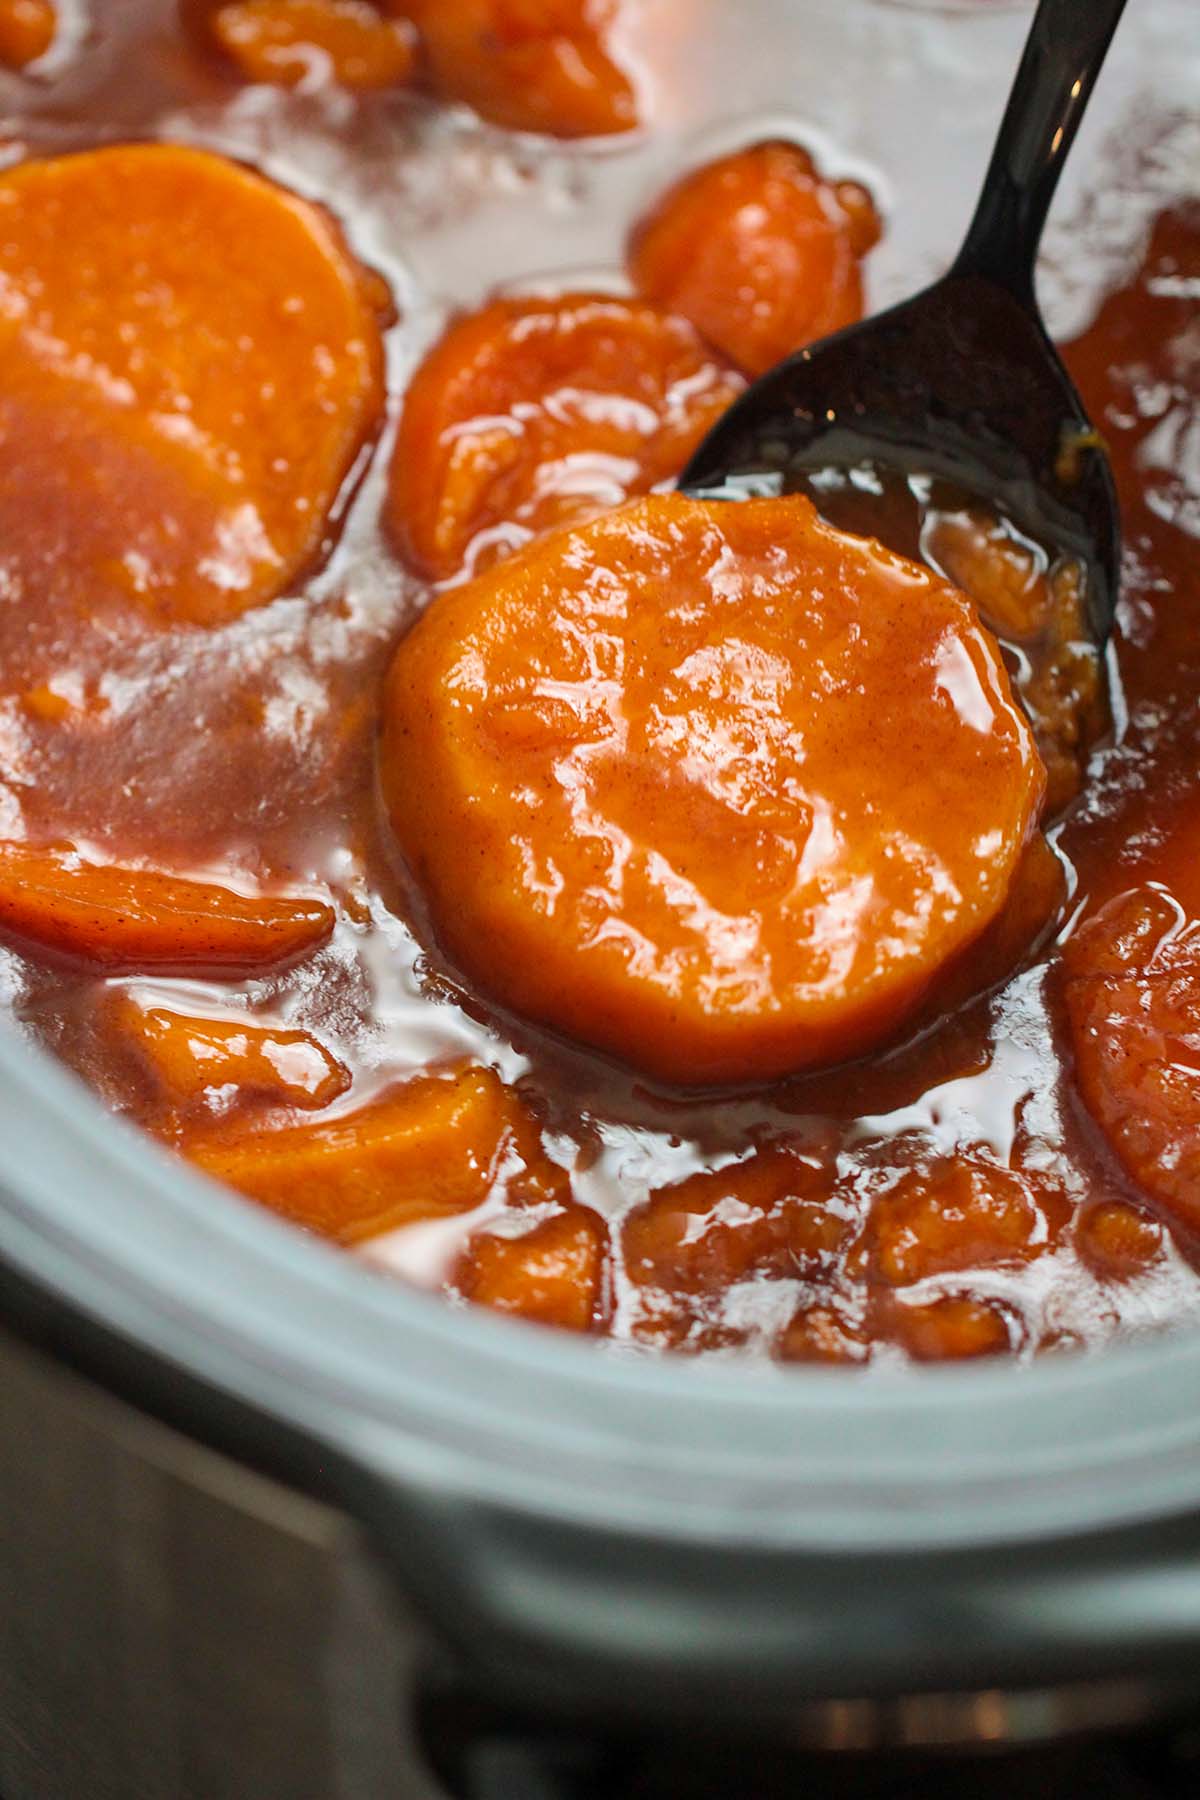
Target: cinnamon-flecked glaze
[{"x": 213, "y": 552}]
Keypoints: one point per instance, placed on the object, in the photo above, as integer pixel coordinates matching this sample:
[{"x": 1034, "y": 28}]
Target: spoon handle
[{"x": 1064, "y": 52}]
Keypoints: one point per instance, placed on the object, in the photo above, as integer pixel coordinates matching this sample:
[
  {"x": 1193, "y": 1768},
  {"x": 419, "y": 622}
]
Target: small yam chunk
[
  {"x": 821, "y": 1334},
  {"x": 1119, "y": 1240},
  {"x": 959, "y": 1212},
  {"x": 708, "y": 786},
  {"x": 425, "y": 1150},
  {"x": 188, "y": 1057},
  {"x": 765, "y": 1217},
  {"x": 285, "y": 42},
  {"x": 119, "y": 918},
  {"x": 1132, "y": 984},
  {"x": 551, "y": 1271},
  {"x": 530, "y": 65},
  {"x": 759, "y": 251},
  {"x": 27, "y": 30},
  {"x": 954, "y": 1329},
  {"x": 531, "y": 413},
  {"x": 190, "y": 364}
]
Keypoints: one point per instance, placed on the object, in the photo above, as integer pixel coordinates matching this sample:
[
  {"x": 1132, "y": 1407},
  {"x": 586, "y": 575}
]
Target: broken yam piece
[
  {"x": 551, "y": 1272},
  {"x": 960, "y": 1212},
  {"x": 1132, "y": 984},
  {"x": 709, "y": 786},
  {"x": 429, "y": 1148},
  {"x": 765, "y": 1217},
  {"x": 190, "y": 366},
  {"x": 1119, "y": 1240},
  {"x": 954, "y": 1329},
  {"x": 127, "y": 919},
  {"x": 189, "y": 1057},
  {"x": 285, "y": 42},
  {"x": 532, "y": 413},
  {"x": 27, "y": 30},
  {"x": 759, "y": 251},
  {"x": 530, "y": 65}
]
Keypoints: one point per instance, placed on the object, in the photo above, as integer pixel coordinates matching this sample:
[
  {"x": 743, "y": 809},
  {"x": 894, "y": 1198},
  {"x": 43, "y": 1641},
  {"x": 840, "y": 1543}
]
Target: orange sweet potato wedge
[
  {"x": 119, "y": 918},
  {"x": 425, "y": 1150},
  {"x": 190, "y": 365},
  {"x": 188, "y": 1057},
  {"x": 284, "y": 42},
  {"x": 759, "y": 252},
  {"x": 27, "y": 30},
  {"x": 531, "y": 65},
  {"x": 552, "y": 1272},
  {"x": 711, "y": 787},
  {"x": 532, "y": 412}
]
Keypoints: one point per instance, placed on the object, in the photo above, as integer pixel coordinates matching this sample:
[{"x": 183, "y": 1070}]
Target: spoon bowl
[{"x": 961, "y": 382}]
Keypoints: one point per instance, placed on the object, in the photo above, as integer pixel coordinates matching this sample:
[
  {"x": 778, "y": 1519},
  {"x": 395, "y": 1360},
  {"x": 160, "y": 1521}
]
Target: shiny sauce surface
[{"x": 953, "y": 1196}]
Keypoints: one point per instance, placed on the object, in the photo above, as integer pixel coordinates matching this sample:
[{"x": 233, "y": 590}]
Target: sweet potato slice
[
  {"x": 121, "y": 918},
  {"x": 1132, "y": 981},
  {"x": 189, "y": 1057},
  {"x": 283, "y": 42},
  {"x": 531, "y": 65},
  {"x": 709, "y": 786},
  {"x": 425, "y": 1150},
  {"x": 552, "y": 1272},
  {"x": 532, "y": 413},
  {"x": 759, "y": 252},
  {"x": 190, "y": 365},
  {"x": 27, "y": 30}
]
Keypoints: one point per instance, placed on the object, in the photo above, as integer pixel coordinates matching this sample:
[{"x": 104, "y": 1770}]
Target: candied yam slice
[
  {"x": 190, "y": 366},
  {"x": 122, "y": 918},
  {"x": 759, "y": 251},
  {"x": 1132, "y": 985},
  {"x": 960, "y": 1212},
  {"x": 288, "y": 41},
  {"x": 27, "y": 30},
  {"x": 425, "y": 1150},
  {"x": 765, "y": 1216},
  {"x": 552, "y": 1271},
  {"x": 530, "y": 65},
  {"x": 711, "y": 787},
  {"x": 187, "y": 1057},
  {"x": 532, "y": 412}
]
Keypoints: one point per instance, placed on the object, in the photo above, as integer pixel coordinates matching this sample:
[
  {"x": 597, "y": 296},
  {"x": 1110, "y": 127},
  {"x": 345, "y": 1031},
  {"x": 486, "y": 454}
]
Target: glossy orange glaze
[
  {"x": 712, "y": 788},
  {"x": 986, "y": 1185}
]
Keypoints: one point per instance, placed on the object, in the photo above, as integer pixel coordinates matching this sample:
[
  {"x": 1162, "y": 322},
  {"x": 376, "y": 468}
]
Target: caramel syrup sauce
[{"x": 249, "y": 750}]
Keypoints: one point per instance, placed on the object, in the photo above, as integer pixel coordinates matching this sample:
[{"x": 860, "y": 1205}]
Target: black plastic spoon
[{"x": 960, "y": 382}]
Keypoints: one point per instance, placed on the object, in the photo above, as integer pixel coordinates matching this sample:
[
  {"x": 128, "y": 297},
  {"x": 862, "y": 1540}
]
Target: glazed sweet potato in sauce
[
  {"x": 530, "y": 413},
  {"x": 708, "y": 786},
  {"x": 293, "y": 41},
  {"x": 687, "y": 922}
]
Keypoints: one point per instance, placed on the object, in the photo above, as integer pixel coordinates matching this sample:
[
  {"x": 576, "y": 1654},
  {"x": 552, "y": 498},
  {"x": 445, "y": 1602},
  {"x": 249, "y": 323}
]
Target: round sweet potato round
[
  {"x": 190, "y": 365},
  {"x": 711, "y": 787}
]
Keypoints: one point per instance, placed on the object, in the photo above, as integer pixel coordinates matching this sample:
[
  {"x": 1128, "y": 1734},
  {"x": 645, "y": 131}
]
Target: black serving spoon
[{"x": 961, "y": 382}]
